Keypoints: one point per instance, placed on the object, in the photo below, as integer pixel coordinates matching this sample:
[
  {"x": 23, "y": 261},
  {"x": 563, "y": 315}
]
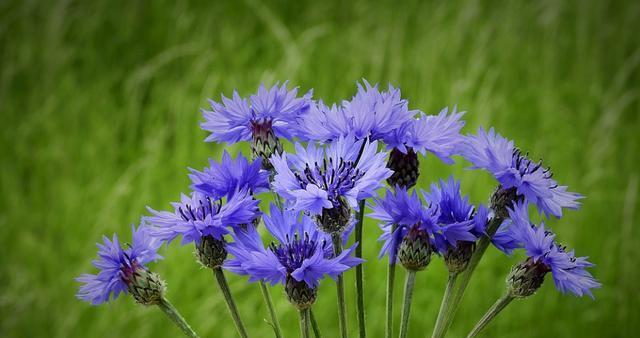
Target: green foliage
[{"x": 100, "y": 109}]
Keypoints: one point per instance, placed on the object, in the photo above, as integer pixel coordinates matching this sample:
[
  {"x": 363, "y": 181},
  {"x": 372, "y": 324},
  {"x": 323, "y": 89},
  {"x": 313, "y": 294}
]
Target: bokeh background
[{"x": 100, "y": 102}]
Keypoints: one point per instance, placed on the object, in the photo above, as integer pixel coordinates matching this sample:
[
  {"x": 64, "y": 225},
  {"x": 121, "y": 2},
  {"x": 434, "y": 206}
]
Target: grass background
[{"x": 100, "y": 101}]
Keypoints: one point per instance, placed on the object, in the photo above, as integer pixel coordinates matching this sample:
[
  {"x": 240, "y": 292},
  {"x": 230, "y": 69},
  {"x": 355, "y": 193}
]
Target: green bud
[
  {"x": 502, "y": 199},
  {"x": 414, "y": 252},
  {"x": 457, "y": 259},
  {"x": 335, "y": 220},
  {"x": 211, "y": 252},
  {"x": 265, "y": 143},
  {"x": 526, "y": 278},
  {"x": 146, "y": 287},
  {"x": 300, "y": 294}
]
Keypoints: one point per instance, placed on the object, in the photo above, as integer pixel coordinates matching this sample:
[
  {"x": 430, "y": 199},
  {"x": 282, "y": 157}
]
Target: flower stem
[
  {"x": 446, "y": 304},
  {"x": 391, "y": 274},
  {"x": 314, "y": 324},
  {"x": 176, "y": 318},
  {"x": 272, "y": 311},
  {"x": 359, "y": 270},
  {"x": 465, "y": 276},
  {"x": 224, "y": 287},
  {"x": 342, "y": 306},
  {"x": 304, "y": 323},
  {"x": 499, "y": 305},
  {"x": 406, "y": 308}
]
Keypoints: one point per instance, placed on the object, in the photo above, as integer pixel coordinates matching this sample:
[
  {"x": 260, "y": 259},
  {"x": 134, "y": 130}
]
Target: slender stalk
[
  {"x": 391, "y": 273},
  {"x": 465, "y": 276},
  {"x": 224, "y": 287},
  {"x": 176, "y": 318},
  {"x": 314, "y": 324},
  {"x": 342, "y": 306},
  {"x": 272, "y": 311},
  {"x": 304, "y": 323},
  {"x": 445, "y": 305},
  {"x": 359, "y": 270},
  {"x": 406, "y": 308},
  {"x": 499, "y": 305}
]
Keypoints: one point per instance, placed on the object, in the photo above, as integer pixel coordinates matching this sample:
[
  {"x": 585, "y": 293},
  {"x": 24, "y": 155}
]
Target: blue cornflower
[
  {"x": 369, "y": 114},
  {"x": 403, "y": 214},
  {"x": 322, "y": 180},
  {"x": 229, "y": 176},
  {"x": 546, "y": 255},
  {"x": 198, "y": 216},
  {"x": 119, "y": 266},
  {"x": 299, "y": 259},
  {"x": 516, "y": 173}
]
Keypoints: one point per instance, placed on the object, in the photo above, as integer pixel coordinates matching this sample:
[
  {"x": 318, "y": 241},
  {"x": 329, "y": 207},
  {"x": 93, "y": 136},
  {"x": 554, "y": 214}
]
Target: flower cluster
[{"x": 342, "y": 156}]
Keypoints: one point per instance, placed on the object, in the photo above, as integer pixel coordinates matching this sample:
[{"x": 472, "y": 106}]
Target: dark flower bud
[
  {"x": 406, "y": 168},
  {"x": 458, "y": 258},
  {"x": 336, "y": 219},
  {"x": 502, "y": 199},
  {"x": 526, "y": 278},
  {"x": 265, "y": 143},
  {"x": 414, "y": 252},
  {"x": 145, "y": 286},
  {"x": 300, "y": 294},
  {"x": 211, "y": 252}
]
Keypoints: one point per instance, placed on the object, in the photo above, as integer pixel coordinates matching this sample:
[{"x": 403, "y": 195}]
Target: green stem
[
  {"x": 176, "y": 318},
  {"x": 446, "y": 304},
  {"x": 391, "y": 274},
  {"x": 465, "y": 276},
  {"x": 272, "y": 311},
  {"x": 304, "y": 323},
  {"x": 224, "y": 287},
  {"x": 499, "y": 305},
  {"x": 342, "y": 306},
  {"x": 406, "y": 308},
  {"x": 314, "y": 324},
  {"x": 359, "y": 270}
]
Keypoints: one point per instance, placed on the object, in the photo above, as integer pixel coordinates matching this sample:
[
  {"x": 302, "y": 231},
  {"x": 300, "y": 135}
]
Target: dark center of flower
[
  {"x": 206, "y": 206},
  {"x": 335, "y": 179},
  {"x": 295, "y": 250}
]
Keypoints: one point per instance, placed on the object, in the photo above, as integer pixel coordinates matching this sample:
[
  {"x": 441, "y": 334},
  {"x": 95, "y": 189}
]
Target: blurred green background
[{"x": 100, "y": 110}]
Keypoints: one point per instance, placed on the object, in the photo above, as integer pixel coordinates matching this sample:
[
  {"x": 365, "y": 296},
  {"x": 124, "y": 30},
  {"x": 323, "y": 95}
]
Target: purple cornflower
[
  {"x": 321, "y": 181},
  {"x": 229, "y": 175},
  {"x": 546, "y": 255},
  {"x": 199, "y": 216},
  {"x": 119, "y": 266},
  {"x": 516, "y": 172},
  {"x": 299, "y": 259},
  {"x": 269, "y": 110},
  {"x": 369, "y": 114},
  {"x": 402, "y": 214}
]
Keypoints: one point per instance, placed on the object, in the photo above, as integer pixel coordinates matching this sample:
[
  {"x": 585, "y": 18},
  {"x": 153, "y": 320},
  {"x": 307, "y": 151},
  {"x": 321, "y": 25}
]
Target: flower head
[
  {"x": 300, "y": 252},
  {"x": 228, "y": 176},
  {"x": 371, "y": 113},
  {"x": 546, "y": 255},
  {"x": 119, "y": 266},
  {"x": 199, "y": 215},
  {"x": 237, "y": 119},
  {"x": 514, "y": 170},
  {"x": 401, "y": 212},
  {"x": 317, "y": 179}
]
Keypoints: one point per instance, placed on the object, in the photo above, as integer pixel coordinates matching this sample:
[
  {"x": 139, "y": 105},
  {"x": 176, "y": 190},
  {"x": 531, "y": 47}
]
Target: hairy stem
[
  {"x": 304, "y": 323},
  {"x": 224, "y": 287},
  {"x": 176, "y": 318},
  {"x": 342, "y": 306},
  {"x": 359, "y": 270},
  {"x": 314, "y": 324},
  {"x": 391, "y": 275},
  {"x": 406, "y": 307},
  {"x": 465, "y": 276},
  {"x": 272, "y": 311},
  {"x": 445, "y": 305},
  {"x": 499, "y": 305}
]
